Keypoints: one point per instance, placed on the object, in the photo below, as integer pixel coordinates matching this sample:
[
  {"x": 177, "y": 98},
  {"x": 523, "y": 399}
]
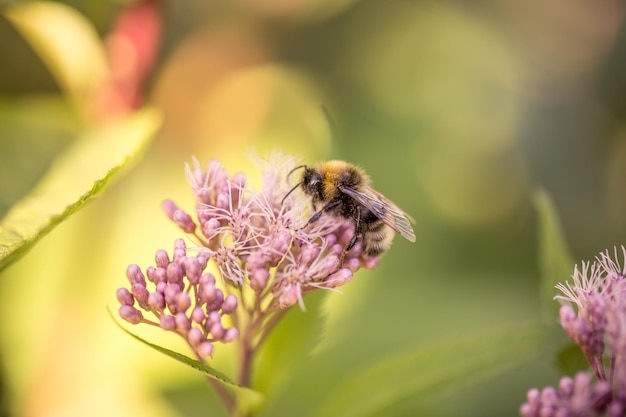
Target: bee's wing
[{"x": 384, "y": 209}]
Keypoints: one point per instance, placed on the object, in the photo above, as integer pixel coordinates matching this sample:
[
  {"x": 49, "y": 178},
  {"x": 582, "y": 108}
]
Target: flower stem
[
  {"x": 227, "y": 399},
  {"x": 247, "y": 355},
  {"x": 252, "y": 339},
  {"x": 267, "y": 328},
  {"x": 223, "y": 394}
]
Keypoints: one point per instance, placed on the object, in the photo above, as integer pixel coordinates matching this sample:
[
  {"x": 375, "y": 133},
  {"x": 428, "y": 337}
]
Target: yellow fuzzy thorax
[{"x": 331, "y": 172}]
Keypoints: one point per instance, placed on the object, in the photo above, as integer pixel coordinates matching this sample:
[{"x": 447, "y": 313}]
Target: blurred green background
[{"x": 459, "y": 111}]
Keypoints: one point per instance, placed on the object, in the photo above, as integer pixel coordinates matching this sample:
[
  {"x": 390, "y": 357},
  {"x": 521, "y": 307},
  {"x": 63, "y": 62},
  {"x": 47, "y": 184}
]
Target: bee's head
[{"x": 311, "y": 182}]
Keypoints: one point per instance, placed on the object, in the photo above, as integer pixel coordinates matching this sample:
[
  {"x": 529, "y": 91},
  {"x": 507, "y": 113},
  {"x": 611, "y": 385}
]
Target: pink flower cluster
[
  {"x": 258, "y": 240},
  {"x": 599, "y": 293},
  {"x": 185, "y": 299},
  {"x": 263, "y": 251},
  {"x": 578, "y": 396}
]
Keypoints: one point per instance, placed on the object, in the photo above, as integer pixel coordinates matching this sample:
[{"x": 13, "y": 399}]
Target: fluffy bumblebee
[{"x": 342, "y": 189}]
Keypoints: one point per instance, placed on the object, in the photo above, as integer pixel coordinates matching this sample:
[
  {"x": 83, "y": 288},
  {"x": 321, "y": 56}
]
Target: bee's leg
[
  {"x": 358, "y": 233},
  {"x": 326, "y": 208}
]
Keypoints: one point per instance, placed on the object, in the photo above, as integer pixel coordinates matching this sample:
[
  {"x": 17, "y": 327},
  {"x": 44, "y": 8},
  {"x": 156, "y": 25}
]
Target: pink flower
[
  {"x": 598, "y": 292},
  {"x": 261, "y": 247},
  {"x": 183, "y": 298}
]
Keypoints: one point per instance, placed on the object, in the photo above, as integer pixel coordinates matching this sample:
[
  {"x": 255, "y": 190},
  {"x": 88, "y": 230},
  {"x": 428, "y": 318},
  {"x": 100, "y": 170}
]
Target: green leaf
[
  {"x": 205, "y": 369},
  {"x": 79, "y": 174},
  {"x": 34, "y": 131},
  {"x": 290, "y": 342},
  {"x": 425, "y": 369},
  {"x": 245, "y": 395},
  {"x": 555, "y": 260}
]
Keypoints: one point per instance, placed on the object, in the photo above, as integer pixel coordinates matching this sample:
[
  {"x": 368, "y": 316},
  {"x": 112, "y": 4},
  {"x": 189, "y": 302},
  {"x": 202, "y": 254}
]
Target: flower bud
[
  {"x": 184, "y": 221},
  {"x": 159, "y": 275},
  {"x": 174, "y": 273},
  {"x": 197, "y": 315},
  {"x": 308, "y": 254},
  {"x": 171, "y": 296},
  {"x": 195, "y": 336},
  {"x": 527, "y": 410},
  {"x": 167, "y": 322},
  {"x": 255, "y": 260},
  {"x": 207, "y": 278},
  {"x": 130, "y": 314},
  {"x": 205, "y": 349},
  {"x": 156, "y": 301},
  {"x": 212, "y": 318},
  {"x": 134, "y": 275},
  {"x": 182, "y": 323},
  {"x": 345, "y": 236},
  {"x": 335, "y": 249},
  {"x": 230, "y": 335},
  {"x": 180, "y": 250},
  {"x": 566, "y": 386},
  {"x": 124, "y": 297},
  {"x": 180, "y": 244},
  {"x": 217, "y": 301},
  {"x": 222, "y": 200},
  {"x": 328, "y": 265},
  {"x": 169, "y": 207},
  {"x": 211, "y": 228},
  {"x": 204, "y": 195},
  {"x": 258, "y": 278},
  {"x": 289, "y": 297},
  {"x": 370, "y": 263},
  {"x": 161, "y": 258},
  {"x": 353, "y": 264},
  {"x": 615, "y": 409},
  {"x": 278, "y": 246},
  {"x": 183, "y": 302},
  {"x": 160, "y": 287},
  {"x": 330, "y": 240},
  {"x": 192, "y": 270},
  {"x": 548, "y": 395},
  {"x": 338, "y": 278},
  {"x": 203, "y": 259},
  {"x": 208, "y": 293},
  {"x": 141, "y": 294},
  {"x": 217, "y": 330},
  {"x": 230, "y": 304}
]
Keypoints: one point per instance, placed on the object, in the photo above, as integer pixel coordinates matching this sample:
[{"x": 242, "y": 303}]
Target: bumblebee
[{"x": 341, "y": 189}]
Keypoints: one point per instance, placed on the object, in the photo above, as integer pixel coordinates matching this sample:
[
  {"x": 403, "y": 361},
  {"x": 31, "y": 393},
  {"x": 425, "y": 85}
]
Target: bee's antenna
[
  {"x": 291, "y": 191},
  {"x": 295, "y": 186},
  {"x": 295, "y": 169}
]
